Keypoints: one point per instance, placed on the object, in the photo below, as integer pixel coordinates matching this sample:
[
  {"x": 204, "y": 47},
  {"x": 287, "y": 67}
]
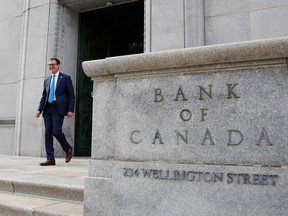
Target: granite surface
[{"x": 199, "y": 131}]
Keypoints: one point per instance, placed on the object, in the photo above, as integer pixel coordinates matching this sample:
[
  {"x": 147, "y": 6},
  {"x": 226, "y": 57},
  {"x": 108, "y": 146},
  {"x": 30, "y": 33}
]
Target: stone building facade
[{"x": 32, "y": 31}]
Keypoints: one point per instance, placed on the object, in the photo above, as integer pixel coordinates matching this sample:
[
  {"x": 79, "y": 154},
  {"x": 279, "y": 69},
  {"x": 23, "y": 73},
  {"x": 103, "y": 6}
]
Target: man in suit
[{"x": 57, "y": 101}]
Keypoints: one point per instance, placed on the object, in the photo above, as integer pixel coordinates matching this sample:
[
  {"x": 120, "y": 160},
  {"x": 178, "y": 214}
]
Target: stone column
[
  {"x": 172, "y": 24},
  {"x": 194, "y": 23},
  {"x": 22, "y": 62}
]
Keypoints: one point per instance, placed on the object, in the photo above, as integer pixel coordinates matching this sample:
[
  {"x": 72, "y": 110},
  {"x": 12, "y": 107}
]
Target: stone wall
[
  {"x": 190, "y": 23},
  {"x": 198, "y": 131},
  {"x": 229, "y": 21},
  {"x": 32, "y": 31},
  {"x": 10, "y": 28}
]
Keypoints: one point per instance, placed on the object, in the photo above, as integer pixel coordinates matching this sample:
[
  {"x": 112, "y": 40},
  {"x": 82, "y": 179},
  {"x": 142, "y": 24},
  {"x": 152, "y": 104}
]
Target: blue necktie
[{"x": 51, "y": 93}]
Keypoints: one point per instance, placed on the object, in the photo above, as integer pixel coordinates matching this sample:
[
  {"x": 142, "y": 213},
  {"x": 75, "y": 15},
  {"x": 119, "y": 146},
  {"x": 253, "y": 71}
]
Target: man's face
[{"x": 53, "y": 66}]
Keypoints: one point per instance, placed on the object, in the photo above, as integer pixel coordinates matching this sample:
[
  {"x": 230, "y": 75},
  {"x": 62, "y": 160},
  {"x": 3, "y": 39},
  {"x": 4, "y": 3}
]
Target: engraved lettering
[
  {"x": 264, "y": 179},
  {"x": 199, "y": 175},
  {"x": 204, "y": 91},
  {"x": 259, "y": 179},
  {"x": 231, "y": 93},
  {"x": 208, "y": 177},
  {"x": 168, "y": 177},
  {"x": 158, "y": 95},
  {"x": 207, "y": 136},
  {"x": 132, "y": 139},
  {"x": 240, "y": 139},
  {"x": 247, "y": 179},
  {"x": 157, "y": 136},
  {"x": 256, "y": 179},
  {"x": 230, "y": 178},
  {"x": 147, "y": 172},
  {"x": 155, "y": 174},
  {"x": 185, "y": 139},
  {"x": 125, "y": 171},
  {"x": 128, "y": 172},
  {"x": 273, "y": 179},
  {"x": 205, "y": 176},
  {"x": 180, "y": 93},
  {"x": 264, "y": 136},
  {"x": 251, "y": 179},
  {"x": 185, "y": 115},
  {"x": 203, "y": 113},
  {"x": 161, "y": 176},
  {"x": 234, "y": 138},
  {"x": 136, "y": 172},
  {"x": 190, "y": 176},
  {"x": 179, "y": 175},
  {"x": 218, "y": 176},
  {"x": 208, "y": 93}
]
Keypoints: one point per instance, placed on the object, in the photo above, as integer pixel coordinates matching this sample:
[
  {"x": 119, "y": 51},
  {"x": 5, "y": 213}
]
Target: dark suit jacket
[{"x": 64, "y": 94}]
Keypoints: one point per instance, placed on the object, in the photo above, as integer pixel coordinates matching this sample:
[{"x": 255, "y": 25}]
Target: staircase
[{"x": 29, "y": 189}]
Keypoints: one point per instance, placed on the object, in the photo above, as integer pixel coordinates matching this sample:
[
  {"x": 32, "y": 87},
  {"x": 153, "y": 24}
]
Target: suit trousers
[{"x": 53, "y": 122}]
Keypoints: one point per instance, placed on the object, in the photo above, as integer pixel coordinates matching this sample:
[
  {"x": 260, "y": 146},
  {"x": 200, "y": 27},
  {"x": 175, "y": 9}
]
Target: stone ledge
[{"x": 259, "y": 50}]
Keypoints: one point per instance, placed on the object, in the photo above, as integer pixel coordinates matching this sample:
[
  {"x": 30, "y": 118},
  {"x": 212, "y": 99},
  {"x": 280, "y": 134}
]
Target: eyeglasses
[{"x": 50, "y": 65}]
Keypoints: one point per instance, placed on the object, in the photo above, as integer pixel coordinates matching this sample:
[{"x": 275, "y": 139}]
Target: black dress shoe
[
  {"x": 68, "y": 156},
  {"x": 48, "y": 163}
]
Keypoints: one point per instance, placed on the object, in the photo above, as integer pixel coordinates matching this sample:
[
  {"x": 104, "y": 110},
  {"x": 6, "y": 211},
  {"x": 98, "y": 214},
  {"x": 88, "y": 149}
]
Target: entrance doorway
[{"x": 111, "y": 31}]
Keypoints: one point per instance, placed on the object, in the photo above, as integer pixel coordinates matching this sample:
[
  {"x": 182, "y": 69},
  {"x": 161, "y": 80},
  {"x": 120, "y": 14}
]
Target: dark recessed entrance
[{"x": 106, "y": 32}]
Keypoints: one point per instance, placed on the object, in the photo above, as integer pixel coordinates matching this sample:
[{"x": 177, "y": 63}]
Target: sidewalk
[
  {"x": 26, "y": 188},
  {"x": 19, "y": 168}
]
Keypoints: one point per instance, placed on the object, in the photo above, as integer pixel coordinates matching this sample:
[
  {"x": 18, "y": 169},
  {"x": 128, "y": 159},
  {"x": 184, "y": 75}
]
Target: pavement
[
  {"x": 21, "y": 168},
  {"x": 26, "y": 187}
]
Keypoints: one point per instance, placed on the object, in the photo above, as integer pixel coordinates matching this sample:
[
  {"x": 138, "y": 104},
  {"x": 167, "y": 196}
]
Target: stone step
[
  {"x": 13, "y": 204},
  {"x": 29, "y": 189},
  {"x": 23, "y": 175},
  {"x": 58, "y": 191}
]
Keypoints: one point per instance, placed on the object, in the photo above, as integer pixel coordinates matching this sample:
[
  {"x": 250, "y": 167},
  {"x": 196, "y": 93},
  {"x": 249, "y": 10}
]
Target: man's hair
[{"x": 55, "y": 59}]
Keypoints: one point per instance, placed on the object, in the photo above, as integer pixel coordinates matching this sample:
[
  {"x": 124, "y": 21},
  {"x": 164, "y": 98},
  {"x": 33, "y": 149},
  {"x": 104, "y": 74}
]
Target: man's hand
[
  {"x": 37, "y": 114},
  {"x": 70, "y": 114}
]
